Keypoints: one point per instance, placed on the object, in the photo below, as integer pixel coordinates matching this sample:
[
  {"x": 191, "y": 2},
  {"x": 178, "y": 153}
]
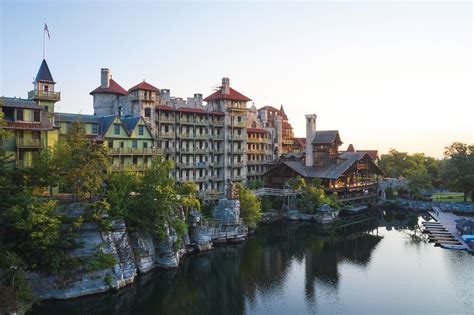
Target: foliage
[
  {"x": 44, "y": 171},
  {"x": 108, "y": 279},
  {"x": 254, "y": 184},
  {"x": 188, "y": 197},
  {"x": 389, "y": 194},
  {"x": 82, "y": 164},
  {"x": 155, "y": 207},
  {"x": 457, "y": 171},
  {"x": 250, "y": 207},
  {"x": 100, "y": 260},
  {"x": 15, "y": 290},
  {"x": 418, "y": 180},
  {"x": 4, "y": 133},
  {"x": 99, "y": 212},
  {"x": 312, "y": 195},
  {"x": 121, "y": 187}
]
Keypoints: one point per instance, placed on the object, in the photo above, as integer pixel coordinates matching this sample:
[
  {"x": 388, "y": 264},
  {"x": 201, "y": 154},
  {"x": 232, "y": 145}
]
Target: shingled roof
[
  {"x": 20, "y": 103},
  {"x": 233, "y": 95},
  {"x": 144, "y": 86},
  {"x": 326, "y": 137},
  {"x": 114, "y": 88},
  {"x": 44, "y": 74},
  {"x": 333, "y": 171}
]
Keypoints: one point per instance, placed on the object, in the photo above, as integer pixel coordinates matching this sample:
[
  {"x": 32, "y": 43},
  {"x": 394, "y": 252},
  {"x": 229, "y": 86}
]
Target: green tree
[
  {"x": 44, "y": 172},
  {"x": 121, "y": 189},
  {"x": 188, "y": 197},
  {"x": 457, "y": 170},
  {"x": 418, "y": 180},
  {"x": 312, "y": 195},
  {"x": 82, "y": 163},
  {"x": 254, "y": 184},
  {"x": 250, "y": 207},
  {"x": 156, "y": 205}
]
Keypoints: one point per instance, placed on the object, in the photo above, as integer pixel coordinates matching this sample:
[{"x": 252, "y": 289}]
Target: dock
[{"x": 445, "y": 227}]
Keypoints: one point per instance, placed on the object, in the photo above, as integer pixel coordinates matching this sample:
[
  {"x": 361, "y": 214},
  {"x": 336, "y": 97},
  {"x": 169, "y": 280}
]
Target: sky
[{"x": 385, "y": 74}]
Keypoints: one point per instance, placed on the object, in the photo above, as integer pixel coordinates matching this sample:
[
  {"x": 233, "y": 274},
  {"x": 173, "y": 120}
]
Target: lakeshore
[{"x": 290, "y": 268}]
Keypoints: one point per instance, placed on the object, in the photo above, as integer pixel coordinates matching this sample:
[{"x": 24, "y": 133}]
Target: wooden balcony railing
[{"x": 52, "y": 96}]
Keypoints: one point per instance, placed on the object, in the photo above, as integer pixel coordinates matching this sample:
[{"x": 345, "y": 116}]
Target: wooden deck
[{"x": 447, "y": 219}]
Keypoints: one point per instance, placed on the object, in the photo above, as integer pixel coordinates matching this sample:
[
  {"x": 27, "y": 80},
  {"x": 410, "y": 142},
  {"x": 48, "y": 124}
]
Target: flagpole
[{"x": 44, "y": 41}]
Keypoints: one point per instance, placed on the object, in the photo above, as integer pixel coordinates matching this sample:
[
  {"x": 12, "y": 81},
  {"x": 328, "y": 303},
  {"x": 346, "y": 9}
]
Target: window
[
  {"x": 122, "y": 144},
  {"x": 20, "y": 155},
  {"x": 140, "y": 130},
  {"x": 134, "y": 144},
  {"x": 135, "y": 159},
  {"x": 35, "y": 135},
  {"x": 111, "y": 143},
  {"x": 46, "y": 88},
  {"x": 68, "y": 126},
  {"x": 36, "y": 115},
  {"x": 148, "y": 112},
  {"x": 95, "y": 129},
  {"x": 145, "y": 145},
  {"x": 21, "y": 134},
  {"x": 19, "y": 114},
  {"x": 116, "y": 129}
]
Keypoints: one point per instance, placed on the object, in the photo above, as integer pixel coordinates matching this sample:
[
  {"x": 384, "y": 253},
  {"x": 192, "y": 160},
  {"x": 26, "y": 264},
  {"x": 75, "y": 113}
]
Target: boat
[
  {"x": 468, "y": 237},
  {"x": 448, "y": 246}
]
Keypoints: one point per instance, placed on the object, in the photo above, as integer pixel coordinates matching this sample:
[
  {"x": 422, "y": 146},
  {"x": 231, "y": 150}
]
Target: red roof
[
  {"x": 27, "y": 125},
  {"x": 270, "y": 108},
  {"x": 257, "y": 130},
  {"x": 300, "y": 141},
  {"x": 350, "y": 148},
  {"x": 287, "y": 125},
  {"x": 114, "y": 88},
  {"x": 144, "y": 86},
  {"x": 192, "y": 110},
  {"x": 165, "y": 107},
  {"x": 217, "y": 113},
  {"x": 372, "y": 153},
  {"x": 233, "y": 95},
  {"x": 282, "y": 113}
]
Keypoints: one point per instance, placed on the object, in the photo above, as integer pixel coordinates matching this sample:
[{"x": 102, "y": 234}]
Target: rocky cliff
[{"x": 136, "y": 252}]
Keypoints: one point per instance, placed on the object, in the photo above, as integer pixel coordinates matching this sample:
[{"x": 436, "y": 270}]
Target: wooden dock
[{"x": 446, "y": 228}]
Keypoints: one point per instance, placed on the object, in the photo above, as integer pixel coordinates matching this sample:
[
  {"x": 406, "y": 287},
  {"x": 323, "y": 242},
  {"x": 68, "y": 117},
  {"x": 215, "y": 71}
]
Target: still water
[{"x": 289, "y": 269}]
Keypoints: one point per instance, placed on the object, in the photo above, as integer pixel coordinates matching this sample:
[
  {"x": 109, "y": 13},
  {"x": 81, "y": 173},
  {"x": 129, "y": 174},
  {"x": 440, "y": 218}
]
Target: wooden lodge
[{"x": 352, "y": 175}]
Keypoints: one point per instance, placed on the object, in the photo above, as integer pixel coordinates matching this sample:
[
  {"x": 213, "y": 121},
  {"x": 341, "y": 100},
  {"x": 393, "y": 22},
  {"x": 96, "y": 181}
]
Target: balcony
[
  {"x": 186, "y": 121},
  {"x": 42, "y": 95},
  {"x": 201, "y": 150},
  {"x": 239, "y": 124},
  {"x": 216, "y": 164},
  {"x": 237, "y": 177},
  {"x": 238, "y": 151},
  {"x": 164, "y": 134},
  {"x": 169, "y": 150},
  {"x": 218, "y": 123},
  {"x": 202, "y": 136},
  {"x": 167, "y": 120},
  {"x": 129, "y": 167},
  {"x": 203, "y": 122},
  {"x": 185, "y": 135},
  {"x": 237, "y": 137},
  {"x": 238, "y": 164},
  {"x": 29, "y": 143},
  {"x": 133, "y": 151}
]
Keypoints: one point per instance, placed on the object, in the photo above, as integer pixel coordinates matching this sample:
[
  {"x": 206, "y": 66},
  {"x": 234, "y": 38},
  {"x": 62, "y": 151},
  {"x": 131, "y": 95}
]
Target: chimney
[
  {"x": 310, "y": 132},
  {"x": 104, "y": 78},
  {"x": 225, "y": 88}
]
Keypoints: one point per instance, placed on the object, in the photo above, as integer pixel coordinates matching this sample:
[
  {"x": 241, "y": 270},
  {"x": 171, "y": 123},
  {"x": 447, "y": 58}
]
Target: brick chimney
[
  {"x": 310, "y": 132},
  {"x": 225, "y": 88},
  {"x": 104, "y": 78}
]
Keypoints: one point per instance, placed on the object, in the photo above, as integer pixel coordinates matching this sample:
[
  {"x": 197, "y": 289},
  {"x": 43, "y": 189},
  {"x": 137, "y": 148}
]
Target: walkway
[
  {"x": 275, "y": 192},
  {"x": 447, "y": 219}
]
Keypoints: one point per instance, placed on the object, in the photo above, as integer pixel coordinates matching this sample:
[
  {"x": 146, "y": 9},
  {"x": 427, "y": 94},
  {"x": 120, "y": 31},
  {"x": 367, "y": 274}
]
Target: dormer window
[{"x": 46, "y": 88}]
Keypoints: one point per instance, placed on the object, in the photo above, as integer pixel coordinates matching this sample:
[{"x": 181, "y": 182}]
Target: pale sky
[{"x": 384, "y": 74}]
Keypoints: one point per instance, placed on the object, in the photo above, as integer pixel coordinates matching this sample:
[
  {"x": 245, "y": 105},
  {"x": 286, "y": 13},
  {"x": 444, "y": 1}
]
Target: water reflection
[{"x": 273, "y": 272}]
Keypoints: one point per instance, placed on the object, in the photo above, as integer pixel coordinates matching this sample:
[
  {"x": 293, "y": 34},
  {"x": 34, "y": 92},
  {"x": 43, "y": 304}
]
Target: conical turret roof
[{"x": 44, "y": 74}]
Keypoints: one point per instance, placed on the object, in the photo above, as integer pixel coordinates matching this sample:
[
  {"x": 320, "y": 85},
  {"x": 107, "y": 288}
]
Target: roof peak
[{"x": 43, "y": 73}]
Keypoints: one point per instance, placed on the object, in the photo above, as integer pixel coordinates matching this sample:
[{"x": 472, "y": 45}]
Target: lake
[{"x": 290, "y": 269}]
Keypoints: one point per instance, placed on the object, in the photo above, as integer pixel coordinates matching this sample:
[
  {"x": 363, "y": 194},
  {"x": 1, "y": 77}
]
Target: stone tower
[
  {"x": 310, "y": 133},
  {"x": 109, "y": 98}
]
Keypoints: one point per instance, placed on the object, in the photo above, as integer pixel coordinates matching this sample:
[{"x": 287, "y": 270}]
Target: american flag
[{"x": 47, "y": 30}]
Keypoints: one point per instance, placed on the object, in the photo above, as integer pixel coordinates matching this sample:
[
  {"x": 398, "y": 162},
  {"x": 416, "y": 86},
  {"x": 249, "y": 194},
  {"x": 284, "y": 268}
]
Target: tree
[
  {"x": 188, "y": 197},
  {"x": 312, "y": 195},
  {"x": 156, "y": 206},
  {"x": 121, "y": 188},
  {"x": 254, "y": 184},
  {"x": 458, "y": 169},
  {"x": 418, "y": 180},
  {"x": 44, "y": 171},
  {"x": 82, "y": 164},
  {"x": 250, "y": 207}
]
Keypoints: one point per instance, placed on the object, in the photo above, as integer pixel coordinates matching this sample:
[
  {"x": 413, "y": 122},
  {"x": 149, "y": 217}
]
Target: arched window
[{"x": 254, "y": 124}]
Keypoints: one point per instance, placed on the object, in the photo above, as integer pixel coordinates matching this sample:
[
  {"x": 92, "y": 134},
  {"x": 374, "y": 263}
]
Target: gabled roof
[
  {"x": 20, "y": 103},
  {"x": 114, "y": 88},
  {"x": 144, "y": 86},
  {"x": 106, "y": 122},
  {"x": 372, "y": 153},
  {"x": 217, "y": 113},
  {"x": 333, "y": 171},
  {"x": 130, "y": 123},
  {"x": 300, "y": 141},
  {"x": 44, "y": 74},
  {"x": 233, "y": 95},
  {"x": 286, "y": 125},
  {"x": 350, "y": 148},
  {"x": 326, "y": 137}
]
